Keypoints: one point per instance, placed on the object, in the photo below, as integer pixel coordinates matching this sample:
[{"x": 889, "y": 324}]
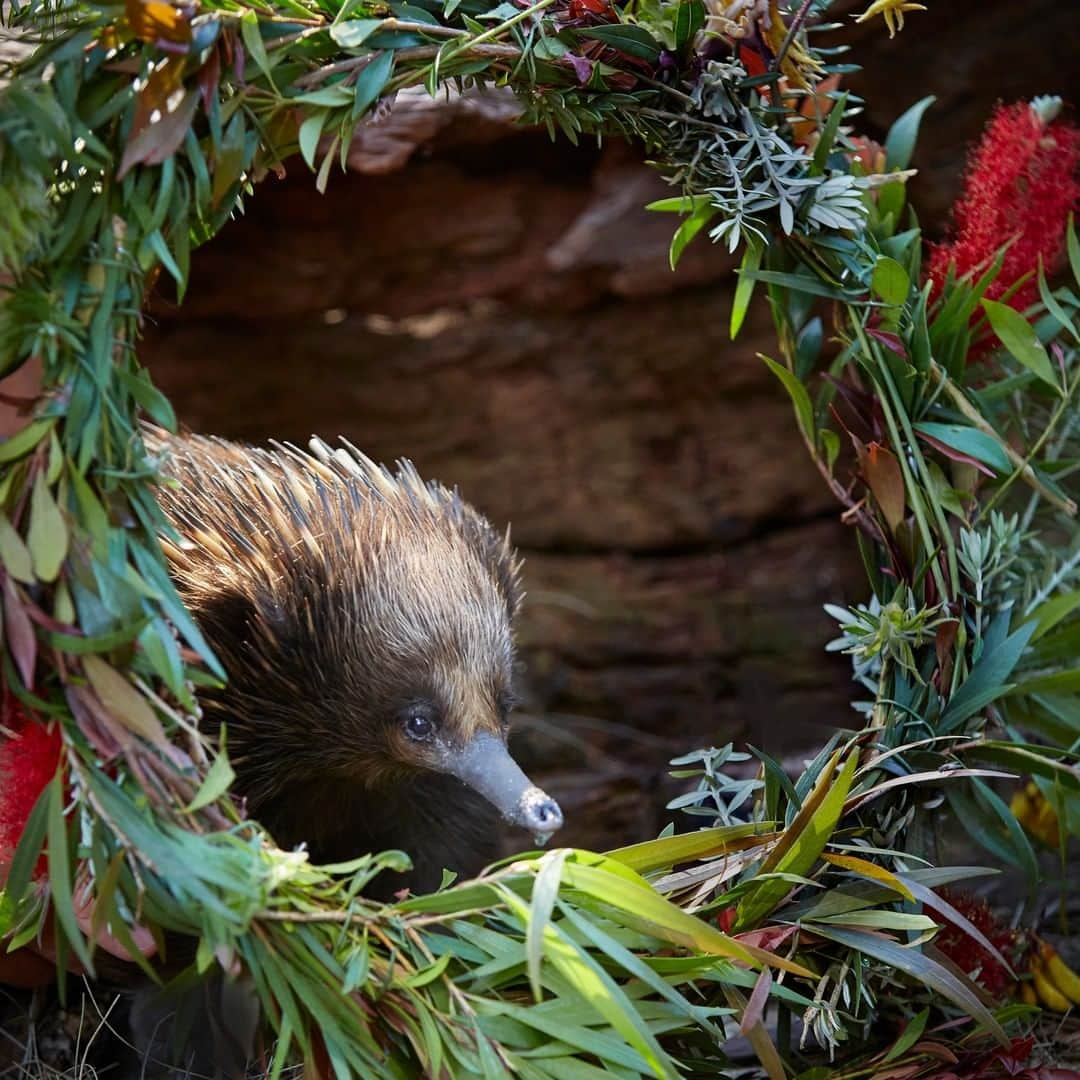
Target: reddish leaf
[
  {"x": 935, "y": 1050},
  {"x": 209, "y": 77},
  {"x": 769, "y": 938},
  {"x": 882, "y": 473},
  {"x": 944, "y": 642},
  {"x": 890, "y": 341},
  {"x": 759, "y": 997},
  {"x": 108, "y": 737},
  {"x": 21, "y": 642},
  {"x": 163, "y": 113},
  {"x": 857, "y": 411}
]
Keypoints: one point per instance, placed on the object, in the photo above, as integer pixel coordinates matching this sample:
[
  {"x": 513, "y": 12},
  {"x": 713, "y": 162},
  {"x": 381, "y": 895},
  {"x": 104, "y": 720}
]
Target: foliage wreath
[{"x": 135, "y": 129}]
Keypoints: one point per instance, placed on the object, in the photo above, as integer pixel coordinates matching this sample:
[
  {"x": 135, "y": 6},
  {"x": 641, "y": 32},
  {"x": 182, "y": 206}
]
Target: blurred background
[{"x": 499, "y": 309}]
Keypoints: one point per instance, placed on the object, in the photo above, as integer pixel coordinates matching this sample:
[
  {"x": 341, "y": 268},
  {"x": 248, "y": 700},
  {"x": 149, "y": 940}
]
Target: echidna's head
[{"x": 364, "y": 620}]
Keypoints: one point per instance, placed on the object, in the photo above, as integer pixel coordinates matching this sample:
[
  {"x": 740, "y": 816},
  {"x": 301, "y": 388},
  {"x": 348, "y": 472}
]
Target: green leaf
[
  {"x": 688, "y": 230},
  {"x": 828, "y": 135},
  {"x": 329, "y": 97},
  {"x": 900, "y": 142},
  {"x": 744, "y": 290},
  {"x": 679, "y": 204},
  {"x": 919, "y": 966},
  {"x": 229, "y": 158},
  {"x": 800, "y": 283},
  {"x": 1036, "y": 760},
  {"x": 308, "y": 136},
  {"x": 684, "y": 847},
  {"x": 28, "y": 849},
  {"x": 219, "y": 778},
  {"x": 323, "y": 176},
  {"x": 1056, "y": 682},
  {"x": 545, "y": 890},
  {"x": 253, "y": 42},
  {"x": 156, "y": 242},
  {"x": 428, "y": 974},
  {"x": 880, "y": 920},
  {"x": 969, "y": 441},
  {"x": 908, "y": 1037},
  {"x": 1018, "y": 336},
  {"x": 151, "y": 399},
  {"x": 1073, "y": 246},
  {"x": 123, "y": 701},
  {"x": 634, "y": 965},
  {"x": 60, "y": 873},
  {"x": 804, "y": 409},
  {"x": 25, "y": 440},
  {"x": 355, "y": 32},
  {"x": 689, "y": 19},
  {"x": 1054, "y": 306},
  {"x": 1051, "y": 612},
  {"x": 599, "y": 991},
  {"x": 47, "y": 537},
  {"x": 7, "y": 915},
  {"x": 632, "y": 40},
  {"x": 988, "y": 679},
  {"x": 370, "y": 82},
  {"x": 890, "y": 281},
  {"x": 803, "y": 841},
  {"x": 830, "y": 442},
  {"x": 14, "y": 554},
  {"x": 640, "y": 906}
]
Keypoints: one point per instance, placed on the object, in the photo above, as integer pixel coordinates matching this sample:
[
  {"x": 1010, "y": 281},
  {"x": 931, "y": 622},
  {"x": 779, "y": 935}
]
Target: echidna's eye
[{"x": 418, "y": 725}]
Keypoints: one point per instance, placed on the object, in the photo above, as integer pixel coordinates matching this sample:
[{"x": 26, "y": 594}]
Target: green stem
[
  {"x": 1026, "y": 472},
  {"x": 1055, "y": 418},
  {"x": 913, "y": 493},
  {"x": 495, "y": 31},
  {"x": 915, "y": 450}
]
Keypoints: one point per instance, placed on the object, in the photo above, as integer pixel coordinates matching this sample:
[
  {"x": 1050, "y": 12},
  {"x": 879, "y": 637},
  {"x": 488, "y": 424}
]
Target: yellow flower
[{"x": 892, "y": 11}]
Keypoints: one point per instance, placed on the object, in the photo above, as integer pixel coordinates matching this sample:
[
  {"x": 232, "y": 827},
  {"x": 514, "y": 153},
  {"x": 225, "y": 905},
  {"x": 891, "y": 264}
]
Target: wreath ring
[{"x": 945, "y": 424}]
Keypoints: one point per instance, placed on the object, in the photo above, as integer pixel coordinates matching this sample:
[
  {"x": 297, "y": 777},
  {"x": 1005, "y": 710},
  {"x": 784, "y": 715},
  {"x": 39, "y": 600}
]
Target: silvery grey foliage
[
  {"x": 762, "y": 177},
  {"x": 986, "y": 554},
  {"x": 875, "y": 633},
  {"x": 717, "y": 796},
  {"x": 715, "y": 94}
]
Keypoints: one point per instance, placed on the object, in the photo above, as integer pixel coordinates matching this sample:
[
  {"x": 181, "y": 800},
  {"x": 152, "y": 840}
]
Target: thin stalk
[
  {"x": 1026, "y": 472},
  {"x": 1053, "y": 452},
  {"x": 915, "y": 450},
  {"x": 495, "y": 31},
  {"x": 909, "y": 482},
  {"x": 1062, "y": 572},
  {"x": 1064, "y": 404},
  {"x": 793, "y": 29},
  {"x": 417, "y": 52}
]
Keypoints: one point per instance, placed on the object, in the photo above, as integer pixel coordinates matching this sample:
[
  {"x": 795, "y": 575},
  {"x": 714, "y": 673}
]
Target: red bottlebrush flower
[
  {"x": 28, "y": 761},
  {"x": 968, "y": 955},
  {"x": 1021, "y": 185}
]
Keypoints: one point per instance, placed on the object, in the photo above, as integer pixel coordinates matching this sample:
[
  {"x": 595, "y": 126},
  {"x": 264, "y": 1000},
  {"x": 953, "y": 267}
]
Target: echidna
[{"x": 364, "y": 620}]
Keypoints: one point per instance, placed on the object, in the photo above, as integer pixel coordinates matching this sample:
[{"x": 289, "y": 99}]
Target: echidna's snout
[{"x": 486, "y": 766}]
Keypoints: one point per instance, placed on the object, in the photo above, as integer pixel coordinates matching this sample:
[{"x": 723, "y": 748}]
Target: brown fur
[{"x": 336, "y": 594}]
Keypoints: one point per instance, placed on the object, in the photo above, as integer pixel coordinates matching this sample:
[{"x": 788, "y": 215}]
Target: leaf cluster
[{"x": 132, "y": 134}]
